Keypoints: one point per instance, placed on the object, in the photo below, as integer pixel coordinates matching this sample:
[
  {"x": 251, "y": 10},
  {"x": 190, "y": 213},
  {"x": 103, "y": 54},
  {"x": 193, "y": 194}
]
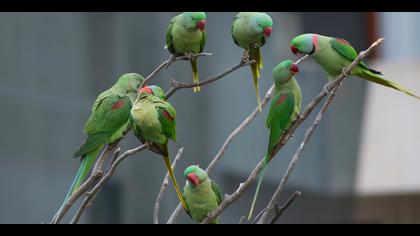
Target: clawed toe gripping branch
[{"x": 92, "y": 186}]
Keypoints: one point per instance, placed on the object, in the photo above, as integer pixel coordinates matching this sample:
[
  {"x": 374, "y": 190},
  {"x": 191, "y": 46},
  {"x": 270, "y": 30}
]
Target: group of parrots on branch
[{"x": 127, "y": 106}]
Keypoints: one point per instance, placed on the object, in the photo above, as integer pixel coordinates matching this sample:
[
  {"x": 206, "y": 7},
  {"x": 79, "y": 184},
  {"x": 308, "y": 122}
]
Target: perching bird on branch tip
[
  {"x": 284, "y": 109},
  {"x": 153, "y": 121},
  {"x": 334, "y": 54},
  {"x": 108, "y": 122},
  {"x": 249, "y": 31},
  {"x": 202, "y": 195},
  {"x": 186, "y": 35}
]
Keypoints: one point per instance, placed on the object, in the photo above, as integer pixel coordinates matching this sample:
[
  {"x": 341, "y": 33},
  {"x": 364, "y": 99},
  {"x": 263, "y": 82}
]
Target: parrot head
[
  {"x": 195, "y": 175},
  {"x": 153, "y": 90},
  {"x": 130, "y": 82},
  {"x": 284, "y": 71},
  {"x": 304, "y": 43},
  {"x": 194, "y": 20},
  {"x": 264, "y": 24}
]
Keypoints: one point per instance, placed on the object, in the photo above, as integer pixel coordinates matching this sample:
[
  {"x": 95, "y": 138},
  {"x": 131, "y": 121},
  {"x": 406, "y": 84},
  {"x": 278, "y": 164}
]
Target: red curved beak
[
  {"x": 192, "y": 178},
  {"x": 201, "y": 25},
  {"x": 294, "y": 68},
  {"x": 267, "y": 31},
  {"x": 294, "y": 49},
  {"x": 145, "y": 89}
]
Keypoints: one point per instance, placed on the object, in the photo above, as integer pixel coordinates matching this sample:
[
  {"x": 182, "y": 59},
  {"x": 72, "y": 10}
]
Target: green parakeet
[
  {"x": 186, "y": 34},
  {"x": 108, "y": 122},
  {"x": 249, "y": 31},
  {"x": 284, "y": 109},
  {"x": 153, "y": 121},
  {"x": 202, "y": 195},
  {"x": 333, "y": 54}
]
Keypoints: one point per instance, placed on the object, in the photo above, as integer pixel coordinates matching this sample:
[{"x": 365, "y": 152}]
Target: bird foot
[
  {"x": 344, "y": 72},
  {"x": 190, "y": 56},
  {"x": 245, "y": 57},
  {"x": 327, "y": 89}
]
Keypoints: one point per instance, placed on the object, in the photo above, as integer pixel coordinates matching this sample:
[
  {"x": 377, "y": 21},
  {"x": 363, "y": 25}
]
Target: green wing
[
  {"x": 169, "y": 44},
  {"x": 282, "y": 108},
  {"x": 345, "y": 49},
  {"x": 231, "y": 30},
  {"x": 109, "y": 114},
  {"x": 217, "y": 191},
  {"x": 167, "y": 116},
  {"x": 203, "y": 41}
]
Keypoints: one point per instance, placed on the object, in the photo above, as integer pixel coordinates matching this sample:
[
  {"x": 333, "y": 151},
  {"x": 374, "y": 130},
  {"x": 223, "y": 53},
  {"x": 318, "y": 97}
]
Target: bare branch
[
  {"x": 230, "y": 138},
  {"x": 282, "y": 209},
  {"x": 176, "y": 85},
  {"x": 225, "y": 146},
  {"x": 297, "y": 155},
  {"x": 334, "y": 87},
  {"x": 170, "y": 61},
  {"x": 164, "y": 187},
  {"x": 90, "y": 194},
  {"x": 96, "y": 175},
  {"x": 229, "y": 199}
]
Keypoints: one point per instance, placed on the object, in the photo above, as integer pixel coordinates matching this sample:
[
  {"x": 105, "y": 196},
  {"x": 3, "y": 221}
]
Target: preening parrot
[
  {"x": 153, "y": 121},
  {"x": 108, "y": 122}
]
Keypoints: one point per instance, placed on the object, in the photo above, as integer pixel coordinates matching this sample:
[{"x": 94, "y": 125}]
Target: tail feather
[
  {"x": 257, "y": 190},
  {"x": 172, "y": 176},
  {"x": 376, "y": 78},
  {"x": 255, "y": 54},
  {"x": 195, "y": 74},
  {"x": 85, "y": 166},
  {"x": 84, "y": 169}
]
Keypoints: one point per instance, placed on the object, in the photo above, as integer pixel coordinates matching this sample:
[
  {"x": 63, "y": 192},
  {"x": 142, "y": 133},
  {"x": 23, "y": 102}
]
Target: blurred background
[{"x": 361, "y": 166}]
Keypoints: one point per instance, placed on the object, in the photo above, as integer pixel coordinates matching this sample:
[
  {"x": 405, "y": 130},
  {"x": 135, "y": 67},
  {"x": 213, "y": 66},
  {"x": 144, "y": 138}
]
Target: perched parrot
[
  {"x": 186, "y": 35},
  {"x": 249, "y": 31},
  {"x": 202, "y": 195},
  {"x": 284, "y": 109},
  {"x": 108, "y": 122},
  {"x": 153, "y": 121},
  {"x": 333, "y": 54}
]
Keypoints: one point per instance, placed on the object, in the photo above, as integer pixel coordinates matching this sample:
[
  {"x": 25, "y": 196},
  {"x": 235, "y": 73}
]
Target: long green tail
[
  {"x": 84, "y": 169},
  {"x": 375, "y": 77},
  {"x": 260, "y": 178},
  {"x": 171, "y": 174},
  {"x": 255, "y": 54},
  {"x": 85, "y": 166},
  {"x": 195, "y": 74}
]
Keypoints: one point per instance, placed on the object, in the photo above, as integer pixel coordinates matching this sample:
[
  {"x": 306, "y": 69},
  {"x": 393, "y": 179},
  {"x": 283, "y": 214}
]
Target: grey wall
[{"x": 53, "y": 65}]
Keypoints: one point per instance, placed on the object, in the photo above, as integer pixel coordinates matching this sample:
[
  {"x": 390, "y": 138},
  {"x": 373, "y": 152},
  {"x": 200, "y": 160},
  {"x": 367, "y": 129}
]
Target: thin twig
[
  {"x": 96, "y": 175},
  {"x": 176, "y": 85},
  {"x": 165, "y": 65},
  {"x": 334, "y": 87},
  {"x": 164, "y": 187},
  {"x": 282, "y": 209},
  {"x": 297, "y": 155},
  {"x": 90, "y": 194},
  {"x": 229, "y": 199}
]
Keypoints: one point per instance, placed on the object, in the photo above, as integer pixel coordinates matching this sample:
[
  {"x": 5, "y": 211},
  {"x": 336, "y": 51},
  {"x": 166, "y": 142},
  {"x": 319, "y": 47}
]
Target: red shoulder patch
[
  {"x": 343, "y": 41},
  {"x": 167, "y": 115},
  {"x": 118, "y": 104},
  {"x": 281, "y": 99}
]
